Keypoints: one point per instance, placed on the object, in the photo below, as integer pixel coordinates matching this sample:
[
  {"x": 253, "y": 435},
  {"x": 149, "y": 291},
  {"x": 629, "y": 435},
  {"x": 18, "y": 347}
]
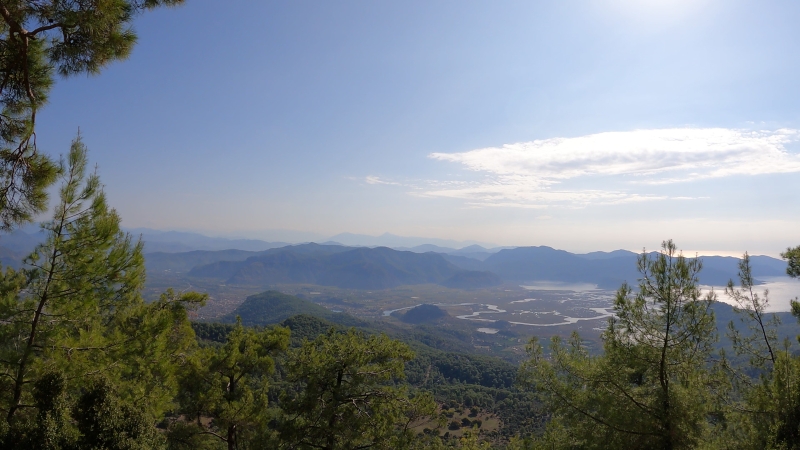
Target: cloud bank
[{"x": 527, "y": 174}]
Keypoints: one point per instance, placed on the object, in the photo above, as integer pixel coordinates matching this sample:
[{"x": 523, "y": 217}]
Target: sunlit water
[
  {"x": 782, "y": 290},
  {"x": 595, "y": 303}
]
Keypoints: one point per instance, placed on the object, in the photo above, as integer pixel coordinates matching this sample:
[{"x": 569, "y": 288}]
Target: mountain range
[
  {"x": 254, "y": 262},
  {"x": 605, "y": 269},
  {"x": 400, "y": 242},
  {"x": 181, "y": 241},
  {"x": 346, "y": 267},
  {"x": 382, "y": 267}
]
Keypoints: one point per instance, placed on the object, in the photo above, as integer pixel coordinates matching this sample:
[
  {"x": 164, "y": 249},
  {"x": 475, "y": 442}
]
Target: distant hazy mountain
[
  {"x": 547, "y": 264},
  {"x": 473, "y": 251},
  {"x": 394, "y": 241},
  {"x": 382, "y": 267},
  {"x": 10, "y": 258},
  {"x": 606, "y": 269},
  {"x": 330, "y": 265},
  {"x": 185, "y": 261},
  {"x": 179, "y": 241},
  {"x": 477, "y": 252},
  {"x": 449, "y": 263},
  {"x": 425, "y": 248},
  {"x": 18, "y": 244},
  {"x": 465, "y": 262},
  {"x": 472, "y": 279},
  {"x": 287, "y": 263},
  {"x": 607, "y": 255}
]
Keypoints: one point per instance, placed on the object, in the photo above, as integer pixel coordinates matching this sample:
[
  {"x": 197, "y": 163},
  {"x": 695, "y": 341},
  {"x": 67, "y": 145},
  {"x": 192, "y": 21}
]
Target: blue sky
[{"x": 590, "y": 125}]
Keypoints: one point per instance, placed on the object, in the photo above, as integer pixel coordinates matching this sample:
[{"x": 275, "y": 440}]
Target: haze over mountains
[
  {"x": 469, "y": 266},
  {"x": 346, "y": 267},
  {"x": 261, "y": 263},
  {"x": 402, "y": 242},
  {"x": 181, "y": 241}
]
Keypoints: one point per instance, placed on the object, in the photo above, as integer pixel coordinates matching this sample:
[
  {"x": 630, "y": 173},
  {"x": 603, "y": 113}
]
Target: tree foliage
[
  {"x": 759, "y": 341},
  {"x": 764, "y": 408},
  {"x": 75, "y": 310},
  {"x": 37, "y": 40},
  {"x": 346, "y": 395},
  {"x": 792, "y": 257},
  {"x": 228, "y": 385},
  {"x": 652, "y": 387}
]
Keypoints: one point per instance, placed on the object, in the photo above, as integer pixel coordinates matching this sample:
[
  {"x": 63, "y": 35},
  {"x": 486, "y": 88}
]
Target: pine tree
[
  {"x": 764, "y": 410},
  {"x": 37, "y": 40},
  {"x": 652, "y": 387},
  {"x": 74, "y": 312},
  {"x": 224, "y": 390},
  {"x": 345, "y": 395},
  {"x": 792, "y": 256}
]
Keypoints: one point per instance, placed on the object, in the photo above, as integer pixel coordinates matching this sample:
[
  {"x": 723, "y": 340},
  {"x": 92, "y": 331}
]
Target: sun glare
[{"x": 651, "y": 12}]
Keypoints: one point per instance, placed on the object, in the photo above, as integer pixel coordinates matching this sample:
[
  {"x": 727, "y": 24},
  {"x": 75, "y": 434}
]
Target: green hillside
[
  {"x": 272, "y": 307},
  {"x": 423, "y": 313}
]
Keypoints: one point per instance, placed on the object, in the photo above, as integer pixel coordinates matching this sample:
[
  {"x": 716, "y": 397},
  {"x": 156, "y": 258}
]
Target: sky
[{"x": 581, "y": 125}]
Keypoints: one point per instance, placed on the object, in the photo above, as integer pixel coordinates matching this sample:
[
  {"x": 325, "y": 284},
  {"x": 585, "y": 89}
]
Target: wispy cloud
[
  {"x": 518, "y": 194},
  {"x": 377, "y": 180},
  {"x": 526, "y": 174}
]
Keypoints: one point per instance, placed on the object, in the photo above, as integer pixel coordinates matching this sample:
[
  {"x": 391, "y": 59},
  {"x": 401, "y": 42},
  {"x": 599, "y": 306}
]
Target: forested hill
[
  {"x": 346, "y": 267},
  {"x": 452, "y": 354},
  {"x": 272, "y": 307}
]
